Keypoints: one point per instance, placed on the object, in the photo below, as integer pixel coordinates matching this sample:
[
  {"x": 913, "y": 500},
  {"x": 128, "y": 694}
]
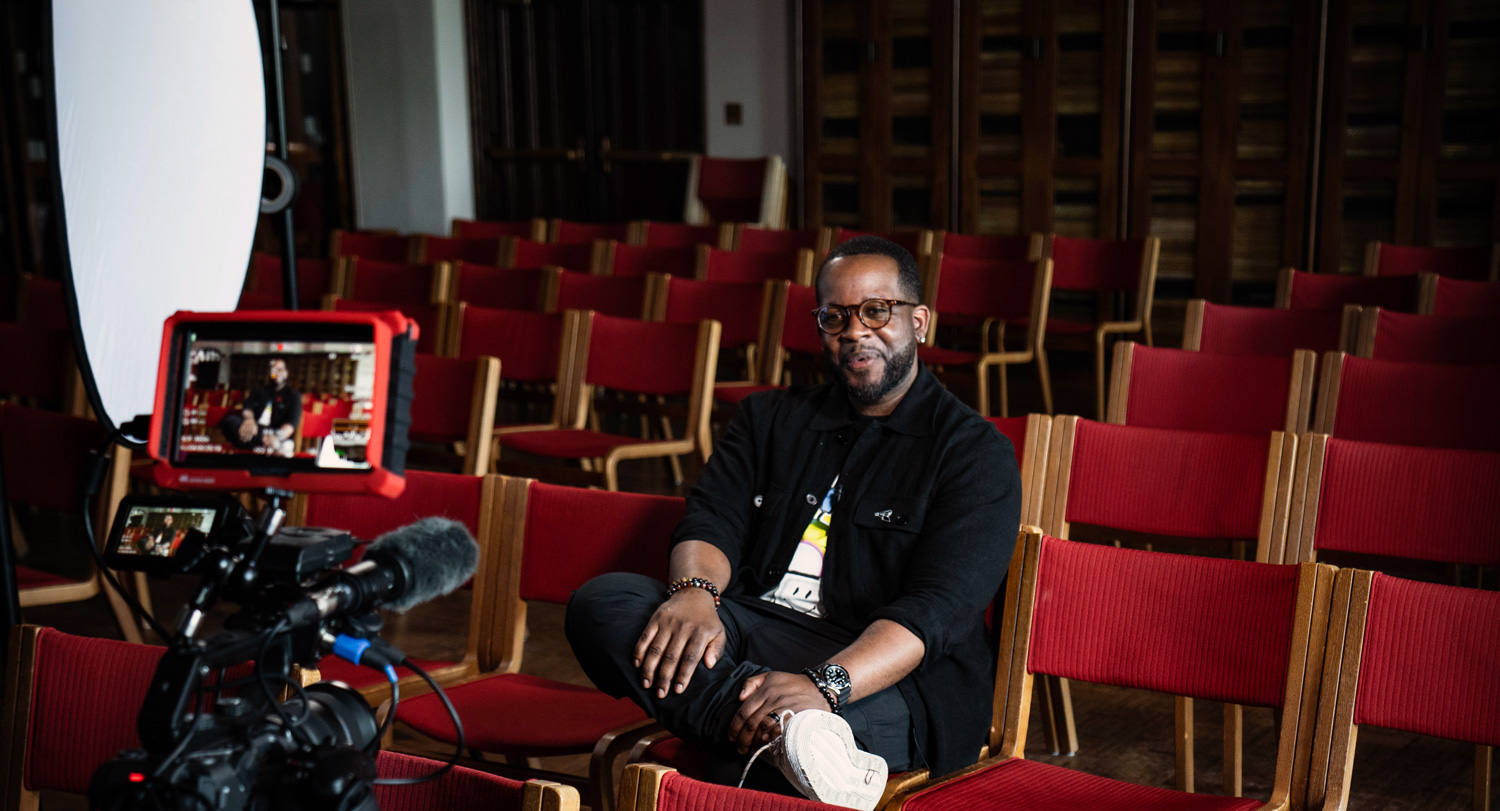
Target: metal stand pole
[{"x": 287, "y": 234}]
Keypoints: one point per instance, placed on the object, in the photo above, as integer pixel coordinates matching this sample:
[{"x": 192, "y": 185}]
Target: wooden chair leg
[
  {"x": 611, "y": 474},
  {"x": 1044, "y": 376},
  {"x": 1100, "y": 339},
  {"x": 1057, "y": 700},
  {"x": 1484, "y": 764},
  {"x": 1234, "y": 751},
  {"x": 1001, "y": 370},
  {"x": 666, "y": 433},
  {"x": 982, "y": 389},
  {"x": 1146, "y": 327},
  {"x": 130, "y": 626},
  {"x": 1183, "y": 711}
]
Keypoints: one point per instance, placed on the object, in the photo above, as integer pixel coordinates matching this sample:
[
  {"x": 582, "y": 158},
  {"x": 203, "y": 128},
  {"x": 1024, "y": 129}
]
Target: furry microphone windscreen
[{"x": 438, "y": 554}]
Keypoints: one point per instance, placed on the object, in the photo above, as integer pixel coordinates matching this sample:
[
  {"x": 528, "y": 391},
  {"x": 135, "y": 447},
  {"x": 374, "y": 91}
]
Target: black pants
[{"x": 607, "y": 615}]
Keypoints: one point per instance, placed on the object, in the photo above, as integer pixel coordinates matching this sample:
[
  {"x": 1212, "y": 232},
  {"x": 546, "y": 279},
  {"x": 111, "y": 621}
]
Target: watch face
[{"x": 837, "y": 677}]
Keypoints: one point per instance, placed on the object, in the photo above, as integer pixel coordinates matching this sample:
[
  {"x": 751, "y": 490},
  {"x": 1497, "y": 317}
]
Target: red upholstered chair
[
  {"x": 431, "y": 319},
  {"x": 483, "y": 251},
  {"x": 1456, "y": 297},
  {"x": 741, "y": 309},
  {"x": 1386, "y": 335},
  {"x": 1031, "y": 436},
  {"x": 726, "y": 190},
  {"x": 1416, "y": 657},
  {"x": 1476, "y": 263},
  {"x": 1218, "y": 491},
  {"x": 463, "y": 788},
  {"x": 650, "y": 787},
  {"x": 382, "y": 246},
  {"x": 554, "y": 539},
  {"x": 1222, "y": 630},
  {"x": 1204, "y": 391},
  {"x": 44, "y": 455},
  {"x": 1023, "y": 247},
  {"x": 991, "y": 295},
  {"x": 567, "y": 232},
  {"x": 582, "y": 257},
  {"x": 644, "y": 361},
  {"x": 620, "y": 296},
  {"x": 1434, "y": 504},
  {"x": 918, "y": 243},
  {"x": 1104, "y": 266},
  {"x": 1423, "y": 404},
  {"x": 41, "y": 303},
  {"x": 454, "y": 402},
  {"x": 470, "y": 500},
  {"x": 504, "y": 288},
  {"x": 639, "y": 260},
  {"x": 533, "y": 229},
  {"x": 315, "y": 279},
  {"x": 682, "y": 235},
  {"x": 393, "y": 282},
  {"x": 1229, "y": 330},
  {"x": 778, "y": 240},
  {"x": 798, "y": 346},
  {"x": 36, "y": 365},
  {"x": 749, "y": 266},
  {"x": 530, "y": 347},
  {"x": 1299, "y": 290}
]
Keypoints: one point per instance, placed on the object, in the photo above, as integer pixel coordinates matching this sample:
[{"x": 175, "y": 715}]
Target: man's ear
[{"x": 920, "y": 316}]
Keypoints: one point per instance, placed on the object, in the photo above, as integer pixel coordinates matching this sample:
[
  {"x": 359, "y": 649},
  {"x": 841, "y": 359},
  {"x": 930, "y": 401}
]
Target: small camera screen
[
  {"x": 158, "y": 531},
  {"x": 309, "y": 402}
]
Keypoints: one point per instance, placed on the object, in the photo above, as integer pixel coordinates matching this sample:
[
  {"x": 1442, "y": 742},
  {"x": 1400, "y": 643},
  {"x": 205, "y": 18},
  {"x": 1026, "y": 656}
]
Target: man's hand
[
  {"x": 683, "y": 631},
  {"x": 268, "y": 438},
  {"x": 247, "y": 430},
  {"x": 762, "y": 699}
]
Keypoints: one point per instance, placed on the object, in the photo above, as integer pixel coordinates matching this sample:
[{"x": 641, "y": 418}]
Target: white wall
[
  {"x": 408, "y": 113},
  {"x": 747, "y": 56}
]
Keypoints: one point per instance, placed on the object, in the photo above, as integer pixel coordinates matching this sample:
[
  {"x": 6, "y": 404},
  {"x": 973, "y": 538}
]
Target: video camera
[{"x": 233, "y": 399}]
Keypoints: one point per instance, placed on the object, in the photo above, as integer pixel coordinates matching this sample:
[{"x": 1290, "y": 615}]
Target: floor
[{"x": 1124, "y": 734}]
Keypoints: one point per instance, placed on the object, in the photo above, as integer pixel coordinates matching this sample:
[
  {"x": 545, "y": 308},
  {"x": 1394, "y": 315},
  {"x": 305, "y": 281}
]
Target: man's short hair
[{"x": 909, "y": 276}]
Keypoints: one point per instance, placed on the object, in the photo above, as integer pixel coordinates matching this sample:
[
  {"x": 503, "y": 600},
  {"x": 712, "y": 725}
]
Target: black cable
[
  {"x": 109, "y": 577},
  {"x": 265, "y": 686},
  {"x": 458, "y": 727},
  {"x": 390, "y": 716}
]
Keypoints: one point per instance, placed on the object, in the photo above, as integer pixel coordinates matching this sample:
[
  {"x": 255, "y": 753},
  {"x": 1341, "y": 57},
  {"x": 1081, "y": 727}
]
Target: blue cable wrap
[{"x": 350, "y": 648}]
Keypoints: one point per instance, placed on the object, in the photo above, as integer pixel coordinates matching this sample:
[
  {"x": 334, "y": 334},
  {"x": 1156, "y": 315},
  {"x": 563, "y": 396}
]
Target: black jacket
[{"x": 923, "y": 527}]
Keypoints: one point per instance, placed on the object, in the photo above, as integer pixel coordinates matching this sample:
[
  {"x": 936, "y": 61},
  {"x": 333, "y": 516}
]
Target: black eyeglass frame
[{"x": 858, "y": 313}]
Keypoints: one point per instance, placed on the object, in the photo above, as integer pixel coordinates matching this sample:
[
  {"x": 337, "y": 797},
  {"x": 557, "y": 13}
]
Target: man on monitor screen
[
  {"x": 269, "y": 417},
  {"x": 159, "y": 541}
]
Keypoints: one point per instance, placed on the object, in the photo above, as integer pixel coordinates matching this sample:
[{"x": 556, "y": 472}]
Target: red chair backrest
[
  {"x": 427, "y": 494},
  {"x": 1192, "y": 626},
  {"x": 987, "y": 246},
  {"x": 573, "y": 535},
  {"x": 641, "y": 356},
  {"x": 34, "y": 362},
  {"x": 680, "y": 235},
  {"x": 623, "y": 296},
  {"x": 459, "y": 788},
  {"x": 799, "y": 332},
  {"x": 910, "y": 240},
  {"x": 577, "y": 256},
  {"x": 777, "y": 240},
  {"x": 314, "y": 279},
  {"x": 527, "y": 344},
  {"x": 480, "y": 229},
  {"x": 86, "y": 696},
  {"x": 442, "y": 398},
  {"x": 44, "y": 456},
  {"x": 1097, "y": 264},
  {"x": 682, "y": 793},
  {"x": 569, "y": 232},
  {"x": 1331, "y": 291},
  {"x": 638, "y": 260},
  {"x": 1014, "y": 429},
  {"x": 1430, "y": 662},
  {"x": 730, "y": 189},
  {"x": 501, "y": 288},
  {"x": 1422, "y": 404},
  {"x": 390, "y": 282},
  {"x": 750, "y": 266},
  {"x": 1259, "y": 331},
  {"x": 1457, "y": 263},
  {"x": 1181, "y": 483},
  {"x": 1423, "y": 503},
  {"x": 1465, "y": 299},
  {"x": 381, "y": 247},
  {"x": 317, "y": 421},
  {"x": 1436, "y": 339},
  {"x": 418, "y": 310},
  {"x": 43, "y": 303},
  {"x": 479, "y": 250},
  {"x": 736, "y": 306},
  {"x": 986, "y": 288},
  {"x": 1201, "y": 391}
]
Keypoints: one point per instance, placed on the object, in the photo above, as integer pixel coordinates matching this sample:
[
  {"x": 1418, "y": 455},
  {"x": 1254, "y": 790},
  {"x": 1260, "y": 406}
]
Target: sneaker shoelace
[{"x": 781, "y": 718}]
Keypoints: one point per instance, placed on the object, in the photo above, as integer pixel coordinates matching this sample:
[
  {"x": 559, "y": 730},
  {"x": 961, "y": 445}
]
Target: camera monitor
[
  {"x": 314, "y": 402},
  {"x": 149, "y": 532}
]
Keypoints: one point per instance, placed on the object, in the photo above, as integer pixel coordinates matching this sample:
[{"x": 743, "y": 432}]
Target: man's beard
[{"x": 897, "y": 365}]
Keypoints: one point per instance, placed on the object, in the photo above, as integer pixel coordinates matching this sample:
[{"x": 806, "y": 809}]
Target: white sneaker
[{"x": 817, "y": 754}]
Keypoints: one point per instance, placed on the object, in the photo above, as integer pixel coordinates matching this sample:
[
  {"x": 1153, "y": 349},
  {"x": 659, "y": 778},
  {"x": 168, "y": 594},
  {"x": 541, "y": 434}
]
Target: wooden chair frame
[
  {"x": 538, "y": 228},
  {"x": 995, "y": 355},
  {"x": 772, "y": 304},
  {"x": 773, "y": 195},
  {"x": 1270, "y": 547},
  {"x": 1365, "y": 330},
  {"x": 476, "y": 449},
  {"x": 419, "y": 252},
  {"x": 1372, "y": 262},
  {"x": 1299, "y": 388},
  {"x": 1014, "y": 683},
  {"x": 551, "y": 289},
  {"x": 1192, "y": 327},
  {"x": 598, "y": 257},
  {"x": 1034, "y": 467},
  {"x": 926, "y": 241}
]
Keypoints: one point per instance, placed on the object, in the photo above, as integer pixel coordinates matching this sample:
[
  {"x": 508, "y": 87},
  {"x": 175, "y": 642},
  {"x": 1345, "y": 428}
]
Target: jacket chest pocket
[{"x": 880, "y": 514}]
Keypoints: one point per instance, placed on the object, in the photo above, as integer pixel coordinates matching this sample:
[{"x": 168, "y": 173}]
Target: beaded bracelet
[{"x": 697, "y": 583}]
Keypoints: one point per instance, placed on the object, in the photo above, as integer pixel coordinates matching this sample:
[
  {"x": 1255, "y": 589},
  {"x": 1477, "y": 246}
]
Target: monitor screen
[{"x": 157, "y": 530}]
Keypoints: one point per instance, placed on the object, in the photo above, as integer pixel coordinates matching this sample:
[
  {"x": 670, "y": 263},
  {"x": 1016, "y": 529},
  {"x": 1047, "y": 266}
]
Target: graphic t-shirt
[{"x": 800, "y": 588}]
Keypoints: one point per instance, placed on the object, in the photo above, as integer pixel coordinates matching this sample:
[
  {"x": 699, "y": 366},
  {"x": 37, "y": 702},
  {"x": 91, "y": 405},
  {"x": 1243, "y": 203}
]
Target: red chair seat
[
  {"x": 359, "y": 677},
  {"x": 29, "y": 578},
  {"x": 1025, "y": 784},
  {"x": 527, "y": 715},
  {"x": 568, "y": 443},
  {"x": 734, "y": 394},
  {"x": 938, "y": 356},
  {"x": 675, "y": 752}
]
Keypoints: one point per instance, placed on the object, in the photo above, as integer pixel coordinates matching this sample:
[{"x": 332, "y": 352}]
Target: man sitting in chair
[
  {"x": 269, "y": 417},
  {"x": 830, "y": 578}
]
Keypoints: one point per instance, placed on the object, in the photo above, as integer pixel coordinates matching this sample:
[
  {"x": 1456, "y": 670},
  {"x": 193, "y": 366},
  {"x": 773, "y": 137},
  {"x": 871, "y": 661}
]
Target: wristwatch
[{"x": 833, "y": 681}]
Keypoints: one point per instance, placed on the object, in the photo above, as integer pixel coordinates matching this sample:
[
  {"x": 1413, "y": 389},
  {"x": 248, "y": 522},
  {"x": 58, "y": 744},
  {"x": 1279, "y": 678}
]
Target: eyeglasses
[{"x": 873, "y": 313}]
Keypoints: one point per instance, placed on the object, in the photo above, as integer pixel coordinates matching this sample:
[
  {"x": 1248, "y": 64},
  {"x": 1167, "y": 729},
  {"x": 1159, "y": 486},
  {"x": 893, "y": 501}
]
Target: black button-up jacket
[{"x": 923, "y": 526}]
